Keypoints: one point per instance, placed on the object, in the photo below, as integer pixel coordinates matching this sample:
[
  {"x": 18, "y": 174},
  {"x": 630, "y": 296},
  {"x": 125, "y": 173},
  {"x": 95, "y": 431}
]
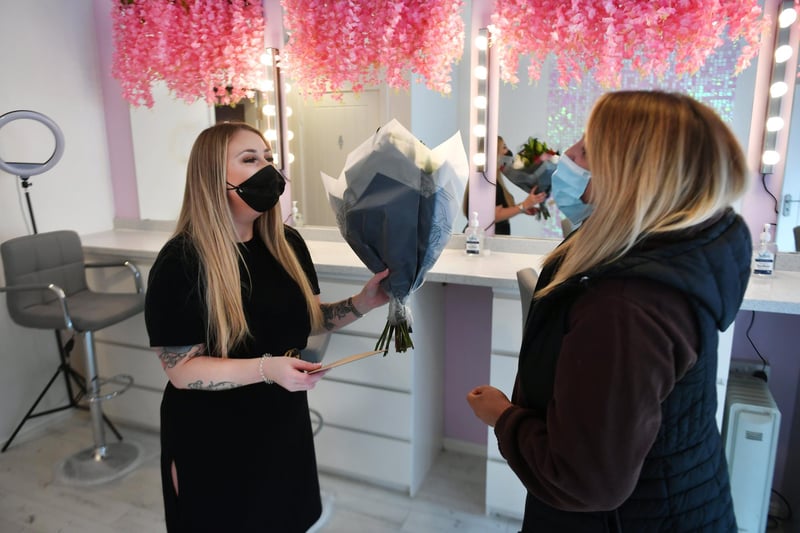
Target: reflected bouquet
[
  {"x": 534, "y": 165},
  {"x": 395, "y": 202}
]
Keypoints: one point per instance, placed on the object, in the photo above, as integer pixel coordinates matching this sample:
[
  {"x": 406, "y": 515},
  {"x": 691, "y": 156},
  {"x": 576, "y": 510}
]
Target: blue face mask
[
  {"x": 569, "y": 182},
  {"x": 506, "y": 161}
]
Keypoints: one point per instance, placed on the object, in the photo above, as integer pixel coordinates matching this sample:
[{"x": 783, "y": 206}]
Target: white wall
[{"x": 49, "y": 64}]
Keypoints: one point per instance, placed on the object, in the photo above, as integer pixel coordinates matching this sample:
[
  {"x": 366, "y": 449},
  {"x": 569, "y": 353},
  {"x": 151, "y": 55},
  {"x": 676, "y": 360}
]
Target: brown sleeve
[{"x": 627, "y": 345}]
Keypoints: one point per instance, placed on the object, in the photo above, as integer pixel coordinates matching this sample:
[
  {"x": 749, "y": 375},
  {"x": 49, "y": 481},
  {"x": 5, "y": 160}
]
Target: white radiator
[{"x": 750, "y": 431}]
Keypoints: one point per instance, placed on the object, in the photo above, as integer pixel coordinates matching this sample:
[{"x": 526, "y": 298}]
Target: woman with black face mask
[{"x": 230, "y": 298}]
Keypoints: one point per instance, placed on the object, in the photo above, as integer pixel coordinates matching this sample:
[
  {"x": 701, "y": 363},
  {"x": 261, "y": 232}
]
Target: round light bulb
[
  {"x": 289, "y": 135},
  {"x": 770, "y": 157},
  {"x": 289, "y": 111},
  {"x": 290, "y": 158},
  {"x": 481, "y": 42},
  {"x": 774, "y": 124},
  {"x": 287, "y": 88},
  {"x": 479, "y": 159},
  {"x": 267, "y": 86},
  {"x": 271, "y": 135},
  {"x": 268, "y": 110},
  {"x": 783, "y": 53},
  {"x": 778, "y": 89},
  {"x": 481, "y": 72},
  {"x": 787, "y": 17},
  {"x": 266, "y": 59},
  {"x": 480, "y": 102},
  {"x": 479, "y": 130}
]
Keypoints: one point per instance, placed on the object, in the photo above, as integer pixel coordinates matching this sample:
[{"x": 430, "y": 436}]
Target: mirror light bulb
[
  {"x": 481, "y": 42},
  {"x": 774, "y": 124},
  {"x": 787, "y": 17},
  {"x": 289, "y": 135},
  {"x": 266, "y": 59},
  {"x": 271, "y": 135},
  {"x": 778, "y": 89},
  {"x": 480, "y": 102},
  {"x": 290, "y": 158},
  {"x": 268, "y": 110},
  {"x": 770, "y": 157},
  {"x": 479, "y": 130},
  {"x": 479, "y": 159},
  {"x": 481, "y": 72},
  {"x": 287, "y": 88},
  {"x": 289, "y": 111},
  {"x": 783, "y": 53}
]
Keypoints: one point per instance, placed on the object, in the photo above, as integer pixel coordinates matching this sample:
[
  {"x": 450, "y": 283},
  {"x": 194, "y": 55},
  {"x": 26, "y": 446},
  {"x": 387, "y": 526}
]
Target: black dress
[{"x": 244, "y": 456}]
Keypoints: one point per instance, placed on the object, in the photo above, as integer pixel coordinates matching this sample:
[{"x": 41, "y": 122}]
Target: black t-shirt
[{"x": 276, "y": 313}]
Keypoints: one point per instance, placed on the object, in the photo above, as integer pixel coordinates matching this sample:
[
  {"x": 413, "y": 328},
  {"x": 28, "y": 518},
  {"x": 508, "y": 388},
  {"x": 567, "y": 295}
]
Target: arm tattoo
[
  {"x": 336, "y": 310},
  {"x": 222, "y": 385},
  {"x": 172, "y": 355}
]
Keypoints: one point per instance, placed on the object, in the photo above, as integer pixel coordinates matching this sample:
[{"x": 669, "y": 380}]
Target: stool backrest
[
  {"x": 526, "y": 279},
  {"x": 45, "y": 258}
]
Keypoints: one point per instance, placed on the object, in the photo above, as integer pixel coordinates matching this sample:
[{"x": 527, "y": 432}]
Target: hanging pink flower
[
  {"x": 336, "y": 45},
  {"x": 601, "y": 36},
  {"x": 201, "y": 49}
]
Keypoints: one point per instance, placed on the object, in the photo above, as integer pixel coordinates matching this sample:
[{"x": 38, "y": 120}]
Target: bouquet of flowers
[
  {"x": 533, "y": 166},
  {"x": 395, "y": 202}
]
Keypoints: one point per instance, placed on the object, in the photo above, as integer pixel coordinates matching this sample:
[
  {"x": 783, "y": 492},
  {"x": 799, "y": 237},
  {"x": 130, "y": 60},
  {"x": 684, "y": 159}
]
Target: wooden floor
[{"x": 31, "y": 500}]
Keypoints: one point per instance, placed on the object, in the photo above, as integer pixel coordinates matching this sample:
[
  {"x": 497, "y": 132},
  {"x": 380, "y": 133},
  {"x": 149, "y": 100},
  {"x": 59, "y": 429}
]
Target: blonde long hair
[
  {"x": 206, "y": 220},
  {"x": 660, "y": 162}
]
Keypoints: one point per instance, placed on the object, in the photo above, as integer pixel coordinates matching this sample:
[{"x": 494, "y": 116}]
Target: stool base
[{"x": 94, "y": 466}]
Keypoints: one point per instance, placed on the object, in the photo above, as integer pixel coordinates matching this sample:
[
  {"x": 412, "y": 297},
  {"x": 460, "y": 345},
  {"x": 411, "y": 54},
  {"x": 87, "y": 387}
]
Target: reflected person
[{"x": 612, "y": 423}]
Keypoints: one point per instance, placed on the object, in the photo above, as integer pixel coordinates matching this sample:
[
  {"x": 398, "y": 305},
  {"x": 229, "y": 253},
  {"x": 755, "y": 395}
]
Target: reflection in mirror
[
  {"x": 557, "y": 115},
  {"x": 787, "y": 236}
]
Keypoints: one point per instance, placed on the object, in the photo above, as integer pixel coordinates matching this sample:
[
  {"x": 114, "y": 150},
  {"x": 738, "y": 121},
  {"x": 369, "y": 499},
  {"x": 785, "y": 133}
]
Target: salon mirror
[{"x": 322, "y": 133}]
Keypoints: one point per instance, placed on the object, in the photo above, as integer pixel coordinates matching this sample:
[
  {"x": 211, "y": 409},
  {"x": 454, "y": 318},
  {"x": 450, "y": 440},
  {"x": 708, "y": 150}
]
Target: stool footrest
[{"x": 124, "y": 380}]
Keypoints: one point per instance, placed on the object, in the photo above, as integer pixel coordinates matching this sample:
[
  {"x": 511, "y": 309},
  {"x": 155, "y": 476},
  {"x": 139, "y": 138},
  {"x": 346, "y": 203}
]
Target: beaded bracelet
[
  {"x": 261, "y": 369},
  {"x": 353, "y": 307}
]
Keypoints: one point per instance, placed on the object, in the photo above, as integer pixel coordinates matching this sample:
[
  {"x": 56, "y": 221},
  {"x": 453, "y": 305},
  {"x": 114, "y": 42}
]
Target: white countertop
[{"x": 780, "y": 294}]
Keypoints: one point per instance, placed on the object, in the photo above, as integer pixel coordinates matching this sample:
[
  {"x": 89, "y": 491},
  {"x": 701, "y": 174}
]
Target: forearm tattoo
[
  {"x": 222, "y": 385},
  {"x": 336, "y": 310},
  {"x": 172, "y": 355}
]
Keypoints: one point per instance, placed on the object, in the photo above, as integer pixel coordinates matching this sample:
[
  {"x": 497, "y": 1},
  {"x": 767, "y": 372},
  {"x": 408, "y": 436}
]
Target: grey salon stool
[
  {"x": 47, "y": 289},
  {"x": 526, "y": 280}
]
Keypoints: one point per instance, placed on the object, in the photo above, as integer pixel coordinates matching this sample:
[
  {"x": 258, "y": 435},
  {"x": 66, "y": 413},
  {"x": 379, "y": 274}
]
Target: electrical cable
[
  {"x": 25, "y": 216},
  {"x": 766, "y": 189},
  {"x": 761, "y": 374}
]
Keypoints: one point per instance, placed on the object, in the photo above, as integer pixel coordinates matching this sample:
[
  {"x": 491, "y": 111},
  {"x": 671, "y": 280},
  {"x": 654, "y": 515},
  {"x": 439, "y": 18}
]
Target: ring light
[{"x": 26, "y": 170}]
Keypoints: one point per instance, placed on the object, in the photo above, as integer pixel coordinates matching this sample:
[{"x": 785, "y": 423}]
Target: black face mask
[{"x": 261, "y": 190}]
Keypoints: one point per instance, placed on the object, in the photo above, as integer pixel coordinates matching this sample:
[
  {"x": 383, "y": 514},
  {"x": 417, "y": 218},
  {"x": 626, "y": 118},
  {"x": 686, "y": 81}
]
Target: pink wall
[{"x": 118, "y": 121}]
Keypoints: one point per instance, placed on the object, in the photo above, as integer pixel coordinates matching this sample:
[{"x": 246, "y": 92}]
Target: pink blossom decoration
[
  {"x": 201, "y": 49},
  {"x": 599, "y": 36},
  {"x": 337, "y": 45}
]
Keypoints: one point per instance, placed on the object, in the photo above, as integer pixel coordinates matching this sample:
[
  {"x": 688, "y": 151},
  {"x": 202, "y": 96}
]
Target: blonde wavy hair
[
  {"x": 660, "y": 162},
  {"x": 206, "y": 220}
]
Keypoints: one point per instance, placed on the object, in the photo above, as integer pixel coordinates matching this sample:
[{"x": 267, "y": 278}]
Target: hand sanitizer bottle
[
  {"x": 297, "y": 216},
  {"x": 474, "y": 236},
  {"x": 764, "y": 257}
]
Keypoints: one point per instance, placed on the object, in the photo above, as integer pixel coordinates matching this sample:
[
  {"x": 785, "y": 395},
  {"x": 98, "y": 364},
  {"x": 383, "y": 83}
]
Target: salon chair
[
  {"x": 46, "y": 288},
  {"x": 526, "y": 279}
]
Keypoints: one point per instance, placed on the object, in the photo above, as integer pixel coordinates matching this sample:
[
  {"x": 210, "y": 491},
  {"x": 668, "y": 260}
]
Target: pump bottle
[
  {"x": 297, "y": 216},
  {"x": 764, "y": 256},
  {"x": 474, "y": 236}
]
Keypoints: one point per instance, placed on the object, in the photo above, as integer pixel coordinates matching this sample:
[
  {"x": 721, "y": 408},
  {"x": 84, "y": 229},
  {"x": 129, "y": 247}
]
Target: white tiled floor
[{"x": 451, "y": 498}]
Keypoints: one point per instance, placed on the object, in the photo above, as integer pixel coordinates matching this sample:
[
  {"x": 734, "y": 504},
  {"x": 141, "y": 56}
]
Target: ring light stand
[{"x": 25, "y": 170}]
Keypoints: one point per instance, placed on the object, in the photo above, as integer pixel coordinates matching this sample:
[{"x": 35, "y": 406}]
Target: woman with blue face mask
[
  {"x": 231, "y": 299},
  {"x": 505, "y": 206},
  {"x": 571, "y": 184},
  {"x": 612, "y": 423}
]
